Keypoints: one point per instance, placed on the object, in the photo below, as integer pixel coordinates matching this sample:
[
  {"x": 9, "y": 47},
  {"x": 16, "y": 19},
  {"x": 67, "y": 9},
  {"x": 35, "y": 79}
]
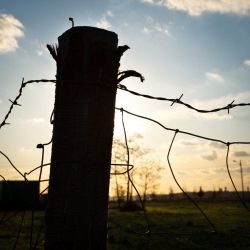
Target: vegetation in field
[{"x": 173, "y": 225}]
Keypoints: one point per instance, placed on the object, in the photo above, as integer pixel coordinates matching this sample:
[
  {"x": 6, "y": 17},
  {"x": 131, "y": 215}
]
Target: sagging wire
[
  {"x": 183, "y": 191},
  {"x": 8, "y": 159},
  {"x": 148, "y": 231},
  {"x": 39, "y": 146},
  {"x": 231, "y": 179},
  {"x": 190, "y": 134}
]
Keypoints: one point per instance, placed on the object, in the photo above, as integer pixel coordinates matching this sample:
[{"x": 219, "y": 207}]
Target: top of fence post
[{"x": 85, "y": 54}]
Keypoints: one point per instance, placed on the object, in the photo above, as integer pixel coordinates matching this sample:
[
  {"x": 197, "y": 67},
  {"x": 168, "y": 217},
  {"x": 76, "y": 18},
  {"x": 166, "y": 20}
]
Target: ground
[{"x": 173, "y": 225}]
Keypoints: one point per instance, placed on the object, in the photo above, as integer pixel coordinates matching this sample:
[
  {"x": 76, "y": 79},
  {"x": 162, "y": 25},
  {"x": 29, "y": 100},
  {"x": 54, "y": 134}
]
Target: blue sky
[{"x": 198, "y": 48}]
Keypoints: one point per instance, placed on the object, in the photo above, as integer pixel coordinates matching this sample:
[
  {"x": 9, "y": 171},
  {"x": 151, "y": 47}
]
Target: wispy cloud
[
  {"x": 10, "y": 30},
  {"x": 197, "y": 8},
  {"x": 214, "y": 77},
  {"x": 210, "y": 157},
  {"x": 247, "y": 62},
  {"x": 103, "y": 23},
  {"x": 156, "y": 26}
]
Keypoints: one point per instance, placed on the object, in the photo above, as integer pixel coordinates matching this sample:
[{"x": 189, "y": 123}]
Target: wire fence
[{"x": 35, "y": 238}]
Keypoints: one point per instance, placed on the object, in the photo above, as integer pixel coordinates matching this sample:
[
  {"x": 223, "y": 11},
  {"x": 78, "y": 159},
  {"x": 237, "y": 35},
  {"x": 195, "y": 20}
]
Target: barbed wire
[
  {"x": 15, "y": 102},
  {"x": 128, "y": 165},
  {"x": 179, "y": 101},
  {"x": 124, "y": 74}
]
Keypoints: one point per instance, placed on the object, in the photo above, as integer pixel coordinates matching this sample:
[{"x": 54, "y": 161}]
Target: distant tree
[
  {"x": 137, "y": 155},
  {"x": 149, "y": 178},
  {"x": 200, "y": 193}
]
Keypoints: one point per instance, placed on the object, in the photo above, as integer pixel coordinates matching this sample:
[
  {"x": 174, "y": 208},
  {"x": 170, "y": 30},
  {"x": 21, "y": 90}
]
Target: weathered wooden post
[{"x": 87, "y": 66}]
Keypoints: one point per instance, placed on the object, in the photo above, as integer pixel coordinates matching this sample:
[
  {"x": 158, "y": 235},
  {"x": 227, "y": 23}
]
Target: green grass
[{"x": 175, "y": 225}]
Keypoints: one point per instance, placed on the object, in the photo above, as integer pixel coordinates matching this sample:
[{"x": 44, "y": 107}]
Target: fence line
[{"x": 128, "y": 165}]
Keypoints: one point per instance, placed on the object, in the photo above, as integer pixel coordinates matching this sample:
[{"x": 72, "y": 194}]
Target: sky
[{"x": 198, "y": 48}]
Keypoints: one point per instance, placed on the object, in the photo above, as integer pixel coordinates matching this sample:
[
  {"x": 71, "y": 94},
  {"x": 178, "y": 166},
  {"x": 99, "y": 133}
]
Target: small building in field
[{"x": 19, "y": 194}]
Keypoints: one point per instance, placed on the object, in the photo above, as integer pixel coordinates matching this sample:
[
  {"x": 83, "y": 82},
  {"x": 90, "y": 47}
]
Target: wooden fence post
[{"x": 87, "y": 67}]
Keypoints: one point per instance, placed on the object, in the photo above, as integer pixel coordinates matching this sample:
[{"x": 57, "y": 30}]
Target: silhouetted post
[{"x": 87, "y": 67}]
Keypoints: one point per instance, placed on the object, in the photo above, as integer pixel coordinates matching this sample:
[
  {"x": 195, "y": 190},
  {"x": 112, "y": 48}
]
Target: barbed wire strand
[
  {"x": 178, "y": 101},
  {"x": 15, "y": 103},
  {"x": 128, "y": 165},
  {"x": 183, "y": 191},
  {"x": 231, "y": 179}
]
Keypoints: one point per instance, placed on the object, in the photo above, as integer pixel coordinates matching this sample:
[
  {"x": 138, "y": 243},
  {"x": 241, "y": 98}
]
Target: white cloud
[
  {"x": 103, "y": 23},
  {"x": 10, "y": 30},
  {"x": 214, "y": 77},
  {"x": 247, "y": 62},
  {"x": 198, "y": 7},
  {"x": 163, "y": 28}
]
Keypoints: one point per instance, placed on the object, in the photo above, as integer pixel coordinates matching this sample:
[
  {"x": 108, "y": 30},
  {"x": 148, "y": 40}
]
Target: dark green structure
[{"x": 19, "y": 194}]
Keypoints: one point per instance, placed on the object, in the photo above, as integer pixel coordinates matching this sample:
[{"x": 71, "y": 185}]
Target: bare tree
[{"x": 149, "y": 177}]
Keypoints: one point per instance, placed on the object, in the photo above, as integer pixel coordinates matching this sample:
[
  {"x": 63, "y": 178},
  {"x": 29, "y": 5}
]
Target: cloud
[
  {"x": 211, "y": 157},
  {"x": 156, "y": 26},
  {"x": 214, "y": 77},
  {"x": 10, "y": 30},
  {"x": 247, "y": 62},
  {"x": 241, "y": 154},
  {"x": 198, "y": 7},
  {"x": 103, "y": 23}
]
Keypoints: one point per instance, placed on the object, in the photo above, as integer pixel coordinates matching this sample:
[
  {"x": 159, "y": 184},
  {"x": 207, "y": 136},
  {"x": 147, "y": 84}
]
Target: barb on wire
[
  {"x": 183, "y": 191},
  {"x": 226, "y": 107},
  {"x": 15, "y": 103},
  {"x": 231, "y": 179}
]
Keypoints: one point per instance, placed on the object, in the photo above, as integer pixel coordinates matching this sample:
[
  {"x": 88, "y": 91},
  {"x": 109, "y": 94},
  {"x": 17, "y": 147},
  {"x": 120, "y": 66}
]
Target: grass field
[{"x": 174, "y": 225}]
